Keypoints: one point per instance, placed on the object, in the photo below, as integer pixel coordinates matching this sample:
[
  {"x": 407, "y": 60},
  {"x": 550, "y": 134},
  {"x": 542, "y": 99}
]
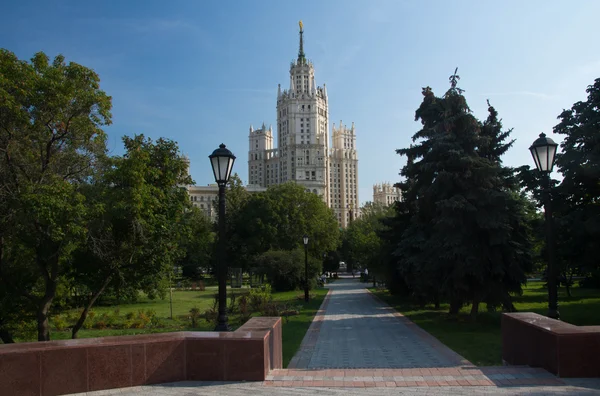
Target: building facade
[
  {"x": 386, "y": 194},
  {"x": 302, "y": 153},
  {"x": 205, "y": 197}
]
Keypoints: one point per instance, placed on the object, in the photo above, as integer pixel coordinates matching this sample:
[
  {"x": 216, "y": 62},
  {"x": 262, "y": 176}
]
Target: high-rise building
[
  {"x": 386, "y": 194},
  {"x": 303, "y": 154},
  {"x": 205, "y": 197}
]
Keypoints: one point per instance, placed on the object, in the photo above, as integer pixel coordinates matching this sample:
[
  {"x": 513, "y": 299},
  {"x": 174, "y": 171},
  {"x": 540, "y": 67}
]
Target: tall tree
[
  {"x": 197, "y": 242},
  {"x": 459, "y": 241},
  {"x": 278, "y": 218},
  {"x": 236, "y": 198},
  {"x": 51, "y": 114},
  {"x": 361, "y": 241},
  {"x": 135, "y": 239},
  {"x": 577, "y": 198}
]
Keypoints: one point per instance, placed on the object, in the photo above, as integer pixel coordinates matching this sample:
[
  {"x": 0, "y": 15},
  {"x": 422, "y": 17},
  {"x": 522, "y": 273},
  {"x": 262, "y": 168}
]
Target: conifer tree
[
  {"x": 577, "y": 198},
  {"x": 459, "y": 244}
]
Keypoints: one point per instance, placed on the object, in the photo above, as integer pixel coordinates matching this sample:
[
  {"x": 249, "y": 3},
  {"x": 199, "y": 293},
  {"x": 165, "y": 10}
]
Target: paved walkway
[
  {"x": 354, "y": 329},
  {"x": 357, "y": 345}
]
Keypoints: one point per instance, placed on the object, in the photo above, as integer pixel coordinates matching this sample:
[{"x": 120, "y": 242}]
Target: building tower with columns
[
  {"x": 303, "y": 154},
  {"x": 386, "y": 194}
]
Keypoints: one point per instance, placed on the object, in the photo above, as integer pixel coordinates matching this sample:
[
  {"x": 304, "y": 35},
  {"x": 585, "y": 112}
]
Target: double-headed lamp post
[
  {"x": 222, "y": 162},
  {"x": 305, "y": 240},
  {"x": 543, "y": 151}
]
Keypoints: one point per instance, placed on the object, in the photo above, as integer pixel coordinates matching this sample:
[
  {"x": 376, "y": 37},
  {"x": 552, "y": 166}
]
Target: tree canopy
[{"x": 464, "y": 238}]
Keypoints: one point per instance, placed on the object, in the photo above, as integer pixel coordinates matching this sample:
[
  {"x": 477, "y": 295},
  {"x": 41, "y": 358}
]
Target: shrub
[
  {"x": 72, "y": 317},
  {"x": 59, "y": 323},
  {"x": 100, "y": 324},
  {"x": 158, "y": 323},
  {"x": 271, "y": 309},
  {"x": 244, "y": 307},
  {"x": 151, "y": 314},
  {"x": 88, "y": 323},
  {"x": 259, "y": 297},
  {"x": 194, "y": 316},
  {"x": 129, "y": 315}
]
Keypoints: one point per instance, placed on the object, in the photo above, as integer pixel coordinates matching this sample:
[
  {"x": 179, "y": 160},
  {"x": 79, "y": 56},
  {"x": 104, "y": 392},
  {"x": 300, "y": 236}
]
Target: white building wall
[{"x": 205, "y": 197}]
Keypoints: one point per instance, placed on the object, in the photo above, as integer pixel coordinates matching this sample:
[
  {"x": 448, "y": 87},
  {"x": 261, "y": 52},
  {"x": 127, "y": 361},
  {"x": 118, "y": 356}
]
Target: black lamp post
[
  {"x": 222, "y": 162},
  {"x": 305, "y": 240},
  {"x": 543, "y": 151}
]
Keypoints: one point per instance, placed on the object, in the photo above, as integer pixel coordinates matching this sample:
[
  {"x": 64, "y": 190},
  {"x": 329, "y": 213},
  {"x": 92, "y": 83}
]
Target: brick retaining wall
[{"x": 82, "y": 365}]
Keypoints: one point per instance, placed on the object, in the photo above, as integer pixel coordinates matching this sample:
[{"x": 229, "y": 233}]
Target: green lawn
[
  {"x": 480, "y": 341},
  {"x": 183, "y": 301},
  {"x": 294, "y": 327}
]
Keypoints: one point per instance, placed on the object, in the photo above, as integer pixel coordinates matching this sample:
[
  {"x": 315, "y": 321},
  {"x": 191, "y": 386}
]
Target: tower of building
[
  {"x": 344, "y": 174},
  {"x": 260, "y": 143},
  {"x": 303, "y": 154},
  {"x": 386, "y": 194}
]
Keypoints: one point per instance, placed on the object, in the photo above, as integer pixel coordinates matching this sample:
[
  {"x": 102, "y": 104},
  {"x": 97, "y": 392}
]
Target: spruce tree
[
  {"x": 458, "y": 243},
  {"x": 577, "y": 198}
]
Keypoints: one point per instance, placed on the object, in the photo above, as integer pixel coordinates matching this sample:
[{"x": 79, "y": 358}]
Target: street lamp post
[
  {"x": 222, "y": 161},
  {"x": 543, "y": 151},
  {"x": 305, "y": 240}
]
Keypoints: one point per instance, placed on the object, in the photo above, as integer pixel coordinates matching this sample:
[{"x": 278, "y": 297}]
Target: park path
[
  {"x": 354, "y": 329},
  {"x": 357, "y": 345}
]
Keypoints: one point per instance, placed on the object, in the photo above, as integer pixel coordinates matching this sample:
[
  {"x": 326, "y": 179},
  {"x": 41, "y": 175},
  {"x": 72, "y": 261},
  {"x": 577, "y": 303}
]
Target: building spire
[{"x": 301, "y": 57}]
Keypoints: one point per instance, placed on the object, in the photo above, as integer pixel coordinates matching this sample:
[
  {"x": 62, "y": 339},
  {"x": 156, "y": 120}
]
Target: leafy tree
[
  {"x": 361, "y": 241},
  {"x": 285, "y": 269},
  {"x": 236, "y": 198},
  {"x": 331, "y": 261},
  {"x": 197, "y": 242},
  {"x": 51, "y": 116},
  {"x": 134, "y": 239},
  {"x": 278, "y": 219},
  {"x": 465, "y": 239}
]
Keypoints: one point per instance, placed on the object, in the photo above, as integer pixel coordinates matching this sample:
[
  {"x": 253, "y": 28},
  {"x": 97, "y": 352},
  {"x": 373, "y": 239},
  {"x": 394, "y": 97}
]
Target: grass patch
[
  {"x": 480, "y": 342},
  {"x": 294, "y": 327}
]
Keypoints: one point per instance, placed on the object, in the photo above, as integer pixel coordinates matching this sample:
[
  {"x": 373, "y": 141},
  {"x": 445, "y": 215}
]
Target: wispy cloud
[
  {"x": 539, "y": 95},
  {"x": 157, "y": 24},
  {"x": 250, "y": 90}
]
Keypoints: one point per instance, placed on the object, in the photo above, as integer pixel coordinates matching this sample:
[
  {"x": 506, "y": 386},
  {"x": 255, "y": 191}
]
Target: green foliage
[
  {"x": 277, "y": 220},
  {"x": 577, "y": 198},
  {"x": 51, "y": 137},
  {"x": 135, "y": 233},
  {"x": 77, "y": 225},
  {"x": 59, "y": 322},
  {"x": 460, "y": 233},
  {"x": 259, "y": 297},
  {"x": 285, "y": 269},
  {"x": 362, "y": 243},
  {"x": 197, "y": 241}
]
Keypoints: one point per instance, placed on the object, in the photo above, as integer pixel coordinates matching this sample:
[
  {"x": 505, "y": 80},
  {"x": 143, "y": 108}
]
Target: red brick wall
[{"x": 73, "y": 366}]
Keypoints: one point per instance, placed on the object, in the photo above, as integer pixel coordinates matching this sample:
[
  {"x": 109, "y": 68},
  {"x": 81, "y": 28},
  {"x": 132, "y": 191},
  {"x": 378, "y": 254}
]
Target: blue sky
[{"x": 200, "y": 72}]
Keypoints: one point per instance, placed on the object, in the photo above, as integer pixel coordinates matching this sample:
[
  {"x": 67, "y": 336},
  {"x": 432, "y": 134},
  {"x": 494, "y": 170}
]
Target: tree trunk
[
  {"x": 50, "y": 281},
  {"x": 42, "y": 314},
  {"x": 436, "y": 301},
  {"x": 6, "y": 337},
  {"x": 568, "y": 283},
  {"x": 87, "y": 308},
  {"x": 454, "y": 306},
  {"x": 475, "y": 308}
]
